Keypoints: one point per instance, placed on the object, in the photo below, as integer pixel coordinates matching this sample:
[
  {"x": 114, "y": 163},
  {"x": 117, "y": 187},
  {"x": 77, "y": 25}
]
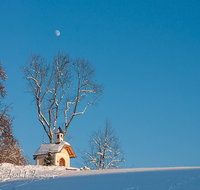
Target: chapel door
[{"x": 62, "y": 162}]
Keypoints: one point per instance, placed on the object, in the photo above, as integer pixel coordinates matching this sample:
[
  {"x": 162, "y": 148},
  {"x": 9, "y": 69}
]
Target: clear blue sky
[{"x": 147, "y": 55}]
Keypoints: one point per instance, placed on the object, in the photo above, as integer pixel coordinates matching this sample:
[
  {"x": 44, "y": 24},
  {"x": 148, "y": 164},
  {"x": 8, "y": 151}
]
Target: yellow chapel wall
[
  {"x": 63, "y": 154},
  {"x": 40, "y": 160}
]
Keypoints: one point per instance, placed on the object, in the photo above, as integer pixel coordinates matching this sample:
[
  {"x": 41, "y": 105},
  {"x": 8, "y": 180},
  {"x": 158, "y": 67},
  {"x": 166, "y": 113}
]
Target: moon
[{"x": 57, "y": 32}]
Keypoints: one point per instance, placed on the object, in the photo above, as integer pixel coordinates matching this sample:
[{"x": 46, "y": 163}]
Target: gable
[{"x": 64, "y": 151}]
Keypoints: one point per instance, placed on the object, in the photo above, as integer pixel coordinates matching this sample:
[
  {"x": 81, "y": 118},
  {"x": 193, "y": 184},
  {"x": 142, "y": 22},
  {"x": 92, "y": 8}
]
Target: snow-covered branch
[
  {"x": 60, "y": 86},
  {"x": 104, "y": 149}
]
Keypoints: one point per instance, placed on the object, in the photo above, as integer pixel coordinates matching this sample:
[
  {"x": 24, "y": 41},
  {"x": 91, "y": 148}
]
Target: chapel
[{"x": 61, "y": 151}]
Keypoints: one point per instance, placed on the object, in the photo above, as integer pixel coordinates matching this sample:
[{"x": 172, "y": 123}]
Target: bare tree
[
  {"x": 10, "y": 151},
  {"x": 60, "y": 87},
  {"x": 3, "y": 77},
  {"x": 104, "y": 149}
]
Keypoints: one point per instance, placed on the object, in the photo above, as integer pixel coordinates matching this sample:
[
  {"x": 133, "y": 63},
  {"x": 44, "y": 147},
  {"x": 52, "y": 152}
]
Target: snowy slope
[{"x": 51, "y": 178}]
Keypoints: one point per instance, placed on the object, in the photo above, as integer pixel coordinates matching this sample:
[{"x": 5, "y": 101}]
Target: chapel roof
[
  {"x": 59, "y": 130},
  {"x": 55, "y": 148}
]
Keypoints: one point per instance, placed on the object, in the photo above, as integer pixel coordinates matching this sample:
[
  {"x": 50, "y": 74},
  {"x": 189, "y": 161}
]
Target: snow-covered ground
[{"x": 54, "y": 177}]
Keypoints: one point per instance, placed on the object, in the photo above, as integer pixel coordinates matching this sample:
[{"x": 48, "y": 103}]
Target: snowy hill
[{"x": 51, "y": 178}]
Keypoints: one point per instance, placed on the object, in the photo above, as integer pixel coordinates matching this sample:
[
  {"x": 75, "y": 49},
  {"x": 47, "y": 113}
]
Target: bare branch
[
  {"x": 10, "y": 151},
  {"x": 60, "y": 86},
  {"x": 104, "y": 150}
]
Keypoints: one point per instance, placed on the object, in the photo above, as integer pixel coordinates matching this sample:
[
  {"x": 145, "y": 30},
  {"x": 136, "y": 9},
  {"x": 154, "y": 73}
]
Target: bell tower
[{"x": 59, "y": 135}]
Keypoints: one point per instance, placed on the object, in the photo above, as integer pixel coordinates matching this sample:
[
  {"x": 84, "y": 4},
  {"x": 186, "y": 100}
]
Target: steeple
[{"x": 59, "y": 135}]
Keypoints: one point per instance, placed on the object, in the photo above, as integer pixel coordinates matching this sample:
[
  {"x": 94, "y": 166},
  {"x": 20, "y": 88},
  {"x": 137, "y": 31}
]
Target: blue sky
[{"x": 146, "y": 53}]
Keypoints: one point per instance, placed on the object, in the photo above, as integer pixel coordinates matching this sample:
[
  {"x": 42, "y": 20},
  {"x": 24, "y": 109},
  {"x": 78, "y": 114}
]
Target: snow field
[{"x": 51, "y": 178}]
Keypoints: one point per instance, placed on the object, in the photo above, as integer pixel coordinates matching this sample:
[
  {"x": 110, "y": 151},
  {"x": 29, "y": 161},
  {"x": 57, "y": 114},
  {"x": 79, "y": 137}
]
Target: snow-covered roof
[{"x": 44, "y": 148}]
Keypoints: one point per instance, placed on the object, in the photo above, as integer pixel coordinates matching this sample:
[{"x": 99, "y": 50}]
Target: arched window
[{"x": 61, "y": 162}]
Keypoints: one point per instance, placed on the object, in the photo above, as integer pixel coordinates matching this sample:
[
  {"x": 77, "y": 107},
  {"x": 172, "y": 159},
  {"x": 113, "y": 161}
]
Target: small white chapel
[{"x": 61, "y": 150}]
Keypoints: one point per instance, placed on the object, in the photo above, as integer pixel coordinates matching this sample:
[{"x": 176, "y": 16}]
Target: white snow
[
  {"x": 54, "y": 177},
  {"x": 44, "y": 148}
]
